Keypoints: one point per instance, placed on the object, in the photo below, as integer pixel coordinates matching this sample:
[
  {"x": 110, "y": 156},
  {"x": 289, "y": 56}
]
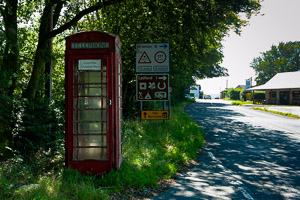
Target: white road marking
[{"x": 241, "y": 187}]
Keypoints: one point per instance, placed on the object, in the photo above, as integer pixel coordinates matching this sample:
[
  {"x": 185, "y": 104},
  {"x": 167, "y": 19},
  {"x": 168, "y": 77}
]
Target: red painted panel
[{"x": 93, "y": 99}]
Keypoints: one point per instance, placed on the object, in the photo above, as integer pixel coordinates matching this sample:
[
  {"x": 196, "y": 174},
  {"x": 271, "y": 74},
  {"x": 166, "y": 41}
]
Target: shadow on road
[{"x": 266, "y": 161}]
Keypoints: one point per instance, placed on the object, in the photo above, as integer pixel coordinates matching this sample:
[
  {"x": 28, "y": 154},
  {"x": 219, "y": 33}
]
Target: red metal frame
[{"x": 93, "y": 45}]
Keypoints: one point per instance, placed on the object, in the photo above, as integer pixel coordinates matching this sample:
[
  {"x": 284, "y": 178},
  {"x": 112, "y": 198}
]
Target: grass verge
[
  {"x": 240, "y": 103},
  {"x": 152, "y": 151},
  {"x": 277, "y": 112}
]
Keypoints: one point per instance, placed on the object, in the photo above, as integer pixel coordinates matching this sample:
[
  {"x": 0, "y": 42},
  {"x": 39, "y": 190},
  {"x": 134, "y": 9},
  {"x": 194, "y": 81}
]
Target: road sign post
[{"x": 152, "y": 80}]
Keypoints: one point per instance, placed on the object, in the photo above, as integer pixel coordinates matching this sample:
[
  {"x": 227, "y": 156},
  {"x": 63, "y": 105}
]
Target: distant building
[
  {"x": 196, "y": 90},
  {"x": 241, "y": 87},
  {"x": 282, "y": 89}
]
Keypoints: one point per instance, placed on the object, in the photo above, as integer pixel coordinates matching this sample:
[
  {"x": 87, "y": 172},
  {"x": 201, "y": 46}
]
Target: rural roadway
[{"x": 249, "y": 154}]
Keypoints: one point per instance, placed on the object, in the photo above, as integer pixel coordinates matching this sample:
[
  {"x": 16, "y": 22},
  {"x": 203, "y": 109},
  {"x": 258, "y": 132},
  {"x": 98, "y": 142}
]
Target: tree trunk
[
  {"x": 11, "y": 52},
  {"x": 41, "y": 52}
]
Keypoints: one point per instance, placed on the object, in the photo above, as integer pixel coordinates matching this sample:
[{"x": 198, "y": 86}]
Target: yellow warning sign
[{"x": 154, "y": 115}]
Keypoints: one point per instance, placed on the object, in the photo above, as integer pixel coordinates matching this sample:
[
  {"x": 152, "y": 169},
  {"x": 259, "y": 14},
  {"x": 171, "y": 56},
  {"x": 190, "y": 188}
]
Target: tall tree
[
  {"x": 10, "y": 64},
  {"x": 45, "y": 34},
  {"x": 282, "y": 58},
  {"x": 193, "y": 28}
]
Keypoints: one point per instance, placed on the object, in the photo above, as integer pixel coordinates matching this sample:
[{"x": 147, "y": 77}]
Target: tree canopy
[
  {"x": 32, "y": 34},
  {"x": 282, "y": 58}
]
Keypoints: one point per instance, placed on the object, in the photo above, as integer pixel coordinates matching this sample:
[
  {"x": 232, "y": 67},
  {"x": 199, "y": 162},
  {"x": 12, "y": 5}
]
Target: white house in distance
[
  {"x": 282, "y": 89},
  {"x": 196, "y": 90}
]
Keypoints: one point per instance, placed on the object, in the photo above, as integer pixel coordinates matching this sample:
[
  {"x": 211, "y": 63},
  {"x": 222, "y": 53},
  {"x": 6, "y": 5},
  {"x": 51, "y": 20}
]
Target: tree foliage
[
  {"x": 194, "y": 29},
  {"x": 282, "y": 58}
]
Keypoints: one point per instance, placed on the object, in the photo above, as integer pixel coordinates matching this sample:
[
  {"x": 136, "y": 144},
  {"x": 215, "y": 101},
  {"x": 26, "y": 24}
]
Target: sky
[{"x": 278, "y": 21}]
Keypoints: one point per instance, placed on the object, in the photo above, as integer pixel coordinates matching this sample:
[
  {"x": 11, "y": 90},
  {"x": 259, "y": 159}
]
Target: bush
[
  {"x": 37, "y": 125},
  {"x": 259, "y": 95},
  {"x": 243, "y": 95},
  {"x": 234, "y": 94}
]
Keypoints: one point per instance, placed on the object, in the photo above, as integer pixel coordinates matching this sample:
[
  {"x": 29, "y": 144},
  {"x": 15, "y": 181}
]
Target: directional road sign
[
  {"x": 152, "y": 58},
  {"x": 152, "y": 87},
  {"x": 154, "y": 115}
]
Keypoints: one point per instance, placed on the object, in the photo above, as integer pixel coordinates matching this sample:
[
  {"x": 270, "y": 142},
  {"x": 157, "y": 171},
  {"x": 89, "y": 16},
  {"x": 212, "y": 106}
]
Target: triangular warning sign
[
  {"x": 148, "y": 96},
  {"x": 144, "y": 58}
]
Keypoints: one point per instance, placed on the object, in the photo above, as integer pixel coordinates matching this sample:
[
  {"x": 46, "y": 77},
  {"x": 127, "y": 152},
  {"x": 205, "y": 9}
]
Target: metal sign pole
[{"x": 141, "y": 109}]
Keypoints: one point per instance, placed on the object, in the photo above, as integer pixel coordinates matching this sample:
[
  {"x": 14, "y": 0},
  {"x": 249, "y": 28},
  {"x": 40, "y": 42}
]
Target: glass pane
[
  {"x": 90, "y": 153},
  {"x": 104, "y": 103},
  {"x": 104, "y": 91},
  {"x": 104, "y": 128},
  {"x": 94, "y": 90},
  {"x": 92, "y": 140},
  {"x": 93, "y": 127},
  {"x": 89, "y": 115},
  {"x": 75, "y": 71},
  {"x": 75, "y": 142},
  {"x": 75, "y": 77},
  {"x": 75, "y": 90},
  {"x": 89, "y": 102},
  {"x": 89, "y": 90},
  {"x": 74, "y": 115},
  {"x": 89, "y": 77},
  {"x": 104, "y": 77},
  {"x": 104, "y": 65},
  {"x": 74, "y": 128}
]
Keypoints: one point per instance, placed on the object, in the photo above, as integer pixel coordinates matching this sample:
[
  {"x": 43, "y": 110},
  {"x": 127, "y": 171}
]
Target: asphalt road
[{"x": 249, "y": 154}]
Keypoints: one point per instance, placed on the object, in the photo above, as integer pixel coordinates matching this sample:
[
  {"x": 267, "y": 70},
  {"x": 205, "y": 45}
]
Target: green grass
[
  {"x": 240, "y": 103},
  {"x": 277, "y": 112},
  {"x": 152, "y": 150}
]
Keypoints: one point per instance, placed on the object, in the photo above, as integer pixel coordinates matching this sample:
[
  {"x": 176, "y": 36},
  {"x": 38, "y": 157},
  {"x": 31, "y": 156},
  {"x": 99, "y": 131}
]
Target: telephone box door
[{"x": 90, "y": 149}]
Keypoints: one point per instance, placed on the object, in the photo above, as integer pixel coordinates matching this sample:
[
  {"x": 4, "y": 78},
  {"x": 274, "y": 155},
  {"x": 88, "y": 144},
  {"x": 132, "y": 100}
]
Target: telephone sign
[
  {"x": 152, "y": 58},
  {"x": 152, "y": 87}
]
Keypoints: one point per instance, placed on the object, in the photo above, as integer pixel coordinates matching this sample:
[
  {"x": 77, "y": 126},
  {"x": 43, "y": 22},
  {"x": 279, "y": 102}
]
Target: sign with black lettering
[
  {"x": 152, "y": 58},
  {"x": 154, "y": 115}
]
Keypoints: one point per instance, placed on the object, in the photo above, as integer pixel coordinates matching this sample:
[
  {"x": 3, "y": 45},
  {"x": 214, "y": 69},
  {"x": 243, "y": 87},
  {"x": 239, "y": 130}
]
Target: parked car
[{"x": 207, "y": 97}]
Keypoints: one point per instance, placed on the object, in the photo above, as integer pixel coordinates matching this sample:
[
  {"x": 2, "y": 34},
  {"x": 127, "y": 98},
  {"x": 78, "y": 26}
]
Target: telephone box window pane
[
  {"x": 90, "y": 102},
  {"x": 83, "y": 90},
  {"x": 89, "y": 90},
  {"x": 104, "y": 127},
  {"x": 74, "y": 128},
  {"x": 103, "y": 115},
  {"x": 90, "y": 154},
  {"x": 89, "y": 77},
  {"x": 75, "y": 90},
  {"x": 75, "y": 72},
  {"x": 104, "y": 65},
  {"x": 75, "y": 103},
  {"x": 89, "y": 115},
  {"x": 75, "y": 115},
  {"x": 104, "y": 90},
  {"x": 104, "y": 77},
  {"x": 104, "y": 102},
  {"x": 86, "y": 128},
  {"x": 92, "y": 140},
  {"x": 94, "y": 90},
  {"x": 75, "y": 77}
]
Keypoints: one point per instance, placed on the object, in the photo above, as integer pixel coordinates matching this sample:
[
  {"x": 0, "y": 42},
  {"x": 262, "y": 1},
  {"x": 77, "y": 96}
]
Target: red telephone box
[{"x": 93, "y": 75}]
